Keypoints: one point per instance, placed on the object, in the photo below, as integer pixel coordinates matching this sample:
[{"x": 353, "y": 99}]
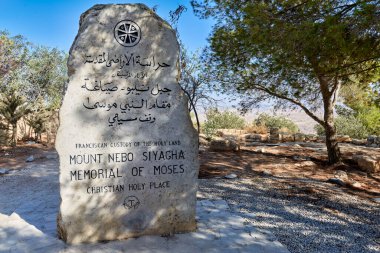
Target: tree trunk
[
  {"x": 14, "y": 135},
  {"x": 329, "y": 99},
  {"x": 333, "y": 150}
]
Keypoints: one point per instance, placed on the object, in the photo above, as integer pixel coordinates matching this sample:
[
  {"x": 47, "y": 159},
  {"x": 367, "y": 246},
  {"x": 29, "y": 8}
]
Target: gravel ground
[{"x": 304, "y": 215}]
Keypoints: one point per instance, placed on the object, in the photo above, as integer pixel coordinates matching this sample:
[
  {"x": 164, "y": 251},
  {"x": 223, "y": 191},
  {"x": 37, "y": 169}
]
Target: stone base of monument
[{"x": 219, "y": 230}]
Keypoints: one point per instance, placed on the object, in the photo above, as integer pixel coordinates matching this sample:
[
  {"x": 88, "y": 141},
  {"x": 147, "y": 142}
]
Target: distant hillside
[{"x": 304, "y": 122}]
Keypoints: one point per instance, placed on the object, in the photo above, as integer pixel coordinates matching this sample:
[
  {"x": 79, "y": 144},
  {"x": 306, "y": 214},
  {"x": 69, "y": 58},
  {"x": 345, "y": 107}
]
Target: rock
[
  {"x": 30, "y": 142},
  {"x": 261, "y": 150},
  {"x": 355, "y": 184},
  {"x": 371, "y": 139},
  {"x": 254, "y": 137},
  {"x": 287, "y": 137},
  {"x": 202, "y": 136},
  {"x": 306, "y": 164},
  {"x": 376, "y": 200},
  {"x": 275, "y": 138},
  {"x": 311, "y": 137},
  {"x": 301, "y": 158},
  {"x": 367, "y": 163},
  {"x": 297, "y": 146},
  {"x": 230, "y": 176},
  {"x": 203, "y": 142},
  {"x": 340, "y": 174},
  {"x": 219, "y": 134},
  {"x": 343, "y": 138},
  {"x": 127, "y": 148},
  {"x": 359, "y": 142},
  {"x": 221, "y": 144},
  {"x": 267, "y": 173},
  {"x": 4, "y": 171},
  {"x": 336, "y": 181},
  {"x": 30, "y": 159},
  {"x": 299, "y": 137},
  {"x": 274, "y": 130}
]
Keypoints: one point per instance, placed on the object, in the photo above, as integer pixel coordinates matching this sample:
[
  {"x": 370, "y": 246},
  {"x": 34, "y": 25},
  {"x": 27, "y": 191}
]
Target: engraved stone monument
[{"x": 128, "y": 151}]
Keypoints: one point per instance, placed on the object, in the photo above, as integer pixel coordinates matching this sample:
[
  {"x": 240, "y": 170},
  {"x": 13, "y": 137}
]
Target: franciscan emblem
[
  {"x": 131, "y": 202},
  {"x": 127, "y": 33}
]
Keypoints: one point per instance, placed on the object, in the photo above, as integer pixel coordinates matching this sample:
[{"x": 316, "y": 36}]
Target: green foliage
[
  {"x": 12, "y": 108},
  {"x": 222, "y": 120},
  {"x": 38, "y": 118},
  {"x": 47, "y": 75},
  {"x": 347, "y": 125},
  {"x": 29, "y": 75},
  {"x": 13, "y": 53},
  {"x": 4, "y": 138},
  {"x": 286, "y": 49},
  {"x": 370, "y": 117},
  {"x": 319, "y": 129},
  {"x": 363, "y": 104},
  {"x": 279, "y": 122}
]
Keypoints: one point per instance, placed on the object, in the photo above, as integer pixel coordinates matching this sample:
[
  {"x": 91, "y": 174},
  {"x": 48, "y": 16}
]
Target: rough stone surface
[
  {"x": 287, "y": 137},
  {"x": 299, "y": 137},
  {"x": 359, "y": 142},
  {"x": 29, "y": 159},
  {"x": 221, "y": 144},
  {"x": 231, "y": 176},
  {"x": 343, "y": 138},
  {"x": 368, "y": 163},
  {"x": 203, "y": 140},
  {"x": 355, "y": 184},
  {"x": 305, "y": 164},
  {"x": 128, "y": 150},
  {"x": 341, "y": 175}
]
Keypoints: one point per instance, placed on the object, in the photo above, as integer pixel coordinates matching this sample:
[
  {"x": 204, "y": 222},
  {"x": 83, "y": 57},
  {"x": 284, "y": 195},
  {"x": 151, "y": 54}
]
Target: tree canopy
[
  {"x": 32, "y": 79},
  {"x": 298, "y": 53}
]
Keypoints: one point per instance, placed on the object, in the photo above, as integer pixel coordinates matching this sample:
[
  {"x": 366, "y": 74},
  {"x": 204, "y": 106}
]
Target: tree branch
[{"x": 296, "y": 102}]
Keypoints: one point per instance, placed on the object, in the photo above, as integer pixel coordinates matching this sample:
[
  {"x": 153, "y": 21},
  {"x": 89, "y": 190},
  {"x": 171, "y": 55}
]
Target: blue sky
[{"x": 54, "y": 23}]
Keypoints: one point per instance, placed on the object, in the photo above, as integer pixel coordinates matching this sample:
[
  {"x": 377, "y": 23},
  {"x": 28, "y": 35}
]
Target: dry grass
[{"x": 256, "y": 129}]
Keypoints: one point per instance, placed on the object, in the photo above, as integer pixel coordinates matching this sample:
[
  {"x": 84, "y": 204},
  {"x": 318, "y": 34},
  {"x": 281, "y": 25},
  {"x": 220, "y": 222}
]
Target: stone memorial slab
[{"x": 128, "y": 151}]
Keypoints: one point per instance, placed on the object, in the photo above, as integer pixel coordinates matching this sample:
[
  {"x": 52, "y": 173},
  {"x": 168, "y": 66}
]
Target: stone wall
[
  {"x": 276, "y": 136},
  {"x": 373, "y": 141}
]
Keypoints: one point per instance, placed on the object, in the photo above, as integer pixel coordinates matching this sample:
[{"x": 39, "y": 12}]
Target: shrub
[
  {"x": 371, "y": 119},
  {"x": 346, "y": 125},
  {"x": 280, "y": 122},
  {"x": 4, "y": 137},
  {"x": 319, "y": 129},
  {"x": 256, "y": 129},
  {"x": 221, "y": 120}
]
